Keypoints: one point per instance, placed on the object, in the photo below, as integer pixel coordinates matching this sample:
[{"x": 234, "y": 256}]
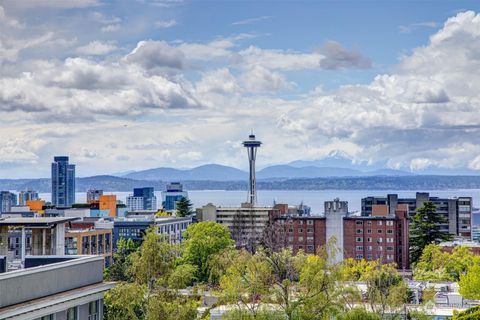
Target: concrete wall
[{"x": 28, "y": 284}]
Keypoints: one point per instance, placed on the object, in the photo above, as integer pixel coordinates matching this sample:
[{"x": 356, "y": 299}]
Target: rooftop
[{"x": 36, "y": 221}]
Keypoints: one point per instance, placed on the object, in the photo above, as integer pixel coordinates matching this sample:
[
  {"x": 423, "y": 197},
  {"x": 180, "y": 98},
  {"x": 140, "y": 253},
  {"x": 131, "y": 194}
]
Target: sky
[{"x": 132, "y": 85}]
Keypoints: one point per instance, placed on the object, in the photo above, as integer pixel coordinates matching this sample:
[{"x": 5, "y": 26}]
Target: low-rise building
[
  {"x": 54, "y": 287},
  {"x": 91, "y": 241},
  {"x": 172, "y": 227}
]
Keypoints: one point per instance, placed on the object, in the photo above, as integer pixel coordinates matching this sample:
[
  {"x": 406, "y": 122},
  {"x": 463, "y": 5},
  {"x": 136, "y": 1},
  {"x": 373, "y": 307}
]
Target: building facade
[
  {"x": 246, "y": 223},
  {"x": 108, "y": 202},
  {"x": 7, "y": 201},
  {"x": 380, "y": 236},
  {"x": 63, "y": 182},
  {"x": 174, "y": 192},
  {"x": 27, "y": 195},
  {"x": 172, "y": 228},
  {"x": 89, "y": 242},
  {"x": 93, "y": 195},
  {"x": 457, "y": 211},
  {"x": 142, "y": 199},
  {"x": 54, "y": 288}
]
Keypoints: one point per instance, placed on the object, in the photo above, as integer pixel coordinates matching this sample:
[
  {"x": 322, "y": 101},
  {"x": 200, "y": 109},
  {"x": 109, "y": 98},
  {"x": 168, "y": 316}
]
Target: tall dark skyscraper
[{"x": 63, "y": 182}]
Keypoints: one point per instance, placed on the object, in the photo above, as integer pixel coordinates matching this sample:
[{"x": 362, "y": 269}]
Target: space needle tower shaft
[{"x": 251, "y": 144}]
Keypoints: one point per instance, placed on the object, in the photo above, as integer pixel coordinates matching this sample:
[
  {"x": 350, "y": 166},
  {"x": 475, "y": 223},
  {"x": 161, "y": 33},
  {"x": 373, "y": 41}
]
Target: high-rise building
[
  {"x": 63, "y": 182},
  {"x": 173, "y": 193},
  {"x": 142, "y": 199},
  {"x": 27, "y": 195},
  {"x": 93, "y": 195},
  {"x": 457, "y": 211},
  {"x": 7, "y": 201}
]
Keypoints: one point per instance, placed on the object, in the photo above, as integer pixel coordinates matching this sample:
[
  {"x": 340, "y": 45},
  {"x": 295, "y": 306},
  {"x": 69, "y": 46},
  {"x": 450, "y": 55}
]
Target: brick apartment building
[{"x": 382, "y": 236}]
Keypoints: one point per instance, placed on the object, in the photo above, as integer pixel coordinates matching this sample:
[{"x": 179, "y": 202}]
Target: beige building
[{"x": 246, "y": 223}]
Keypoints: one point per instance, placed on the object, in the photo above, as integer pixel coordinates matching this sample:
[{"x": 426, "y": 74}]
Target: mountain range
[{"x": 217, "y": 172}]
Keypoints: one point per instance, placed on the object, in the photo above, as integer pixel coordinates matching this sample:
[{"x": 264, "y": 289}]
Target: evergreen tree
[
  {"x": 184, "y": 207},
  {"x": 425, "y": 229}
]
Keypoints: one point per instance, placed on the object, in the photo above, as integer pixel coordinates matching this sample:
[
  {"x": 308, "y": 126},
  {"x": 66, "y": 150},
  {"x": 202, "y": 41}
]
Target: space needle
[{"x": 251, "y": 144}]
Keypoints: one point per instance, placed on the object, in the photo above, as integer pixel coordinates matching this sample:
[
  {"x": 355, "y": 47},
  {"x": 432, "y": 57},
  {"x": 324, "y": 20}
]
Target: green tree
[
  {"x": 203, "y": 241},
  {"x": 470, "y": 283},
  {"x": 358, "y": 314},
  {"x": 182, "y": 277},
  {"x": 165, "y": 305},
  {"x": 246, "y": 283},
  {"x": 469, "y": 314},
  {"x": 154, "y": 261},
  {"x": 436, "y": 264},
  {"x": 425, "y": 229},
  {"x": 386, "y": 290},
  {"x": 184, "y": 207},
  {"x": 120, "y": 269},
  {"x": 125, "y": 301}
]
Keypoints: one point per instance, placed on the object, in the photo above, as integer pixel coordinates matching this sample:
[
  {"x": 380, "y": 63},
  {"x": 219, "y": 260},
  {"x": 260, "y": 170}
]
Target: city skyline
[{"x": 121, "y": 86}]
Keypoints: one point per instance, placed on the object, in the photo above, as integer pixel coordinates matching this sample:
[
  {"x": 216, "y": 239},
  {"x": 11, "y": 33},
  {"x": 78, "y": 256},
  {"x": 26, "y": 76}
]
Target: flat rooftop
[{"x": 35, "y": 221}]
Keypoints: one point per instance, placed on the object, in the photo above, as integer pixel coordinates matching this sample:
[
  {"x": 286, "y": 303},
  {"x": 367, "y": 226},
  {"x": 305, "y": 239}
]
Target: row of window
[
  {"x": 378, "y": 256},
  {"x": 379, "y": 248},
  {"x": 379, "y": 240},
  {"x": 300, "y": 230},
  {"x": 379, "y": 223},
  {"x": 379, "y": 231}
]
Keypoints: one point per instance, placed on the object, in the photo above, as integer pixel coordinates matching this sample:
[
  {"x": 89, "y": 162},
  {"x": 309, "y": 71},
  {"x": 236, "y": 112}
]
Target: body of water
[{"x": 314, "y": 199}]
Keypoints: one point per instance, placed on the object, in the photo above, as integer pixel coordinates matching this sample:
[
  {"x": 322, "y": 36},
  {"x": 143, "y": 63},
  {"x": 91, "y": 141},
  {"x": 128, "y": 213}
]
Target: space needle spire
[{"x": 251, "y": 144}]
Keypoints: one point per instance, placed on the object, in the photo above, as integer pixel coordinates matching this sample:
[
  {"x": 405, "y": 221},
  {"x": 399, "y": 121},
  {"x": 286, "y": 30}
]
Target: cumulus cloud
[
  {"x": 97, "y": 48},
  {"x": 152, "y": 54},
  {"x": 111, "y": 28},
  {"x": 260, "y": 79},
  {"x": 337, "y": 57},
  {"x": 411, "y": 114}
]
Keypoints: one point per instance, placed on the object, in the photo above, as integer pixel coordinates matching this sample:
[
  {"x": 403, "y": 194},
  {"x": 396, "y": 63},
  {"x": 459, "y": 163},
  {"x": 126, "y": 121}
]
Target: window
[
  {"x": 359, "y": 239},
  {"x": 300, "y": 247},
  {"x": 379, "y": 231},
  {"x": 369, "y": 248},
  {"x": 300, "y": 230},
  {"x": 309, "y": 230},
  {"x": 359, "y": 256},
  {"x": 71, "y": 313},
  {"x": 390, "y": 231},
  {"x": 379, "y": 223},
  {"x": 359, "y": 223},
  {"x": 93, "y": 310},
  {"x": 310, "y": 248},
  {"x": 380, "y": 240},
  {"x": 379, "y": 248},
  {"x": 369, "y": 231},
  {"x": 309, "y": 238},
  {"x": 290, "y": 239},
  {"x": 390, "y": 240},
  {"x": 369, "y": 239},
  {"x": 310, "y": 222},
  {"x": 300, "y": 222},
  {"x": 369, "y": 257},
  {"x": 389, "y": 223},
  {"x": 359, "y": 248},
  {"x": 290, "y": 230},
  {"x": 389, "y": 256},
  {"x": 369, "y": 223},
  {"x": 389, "y": 248},
  {"x": 359, "y": 231},
  {"x": 300, "y": 239}
]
